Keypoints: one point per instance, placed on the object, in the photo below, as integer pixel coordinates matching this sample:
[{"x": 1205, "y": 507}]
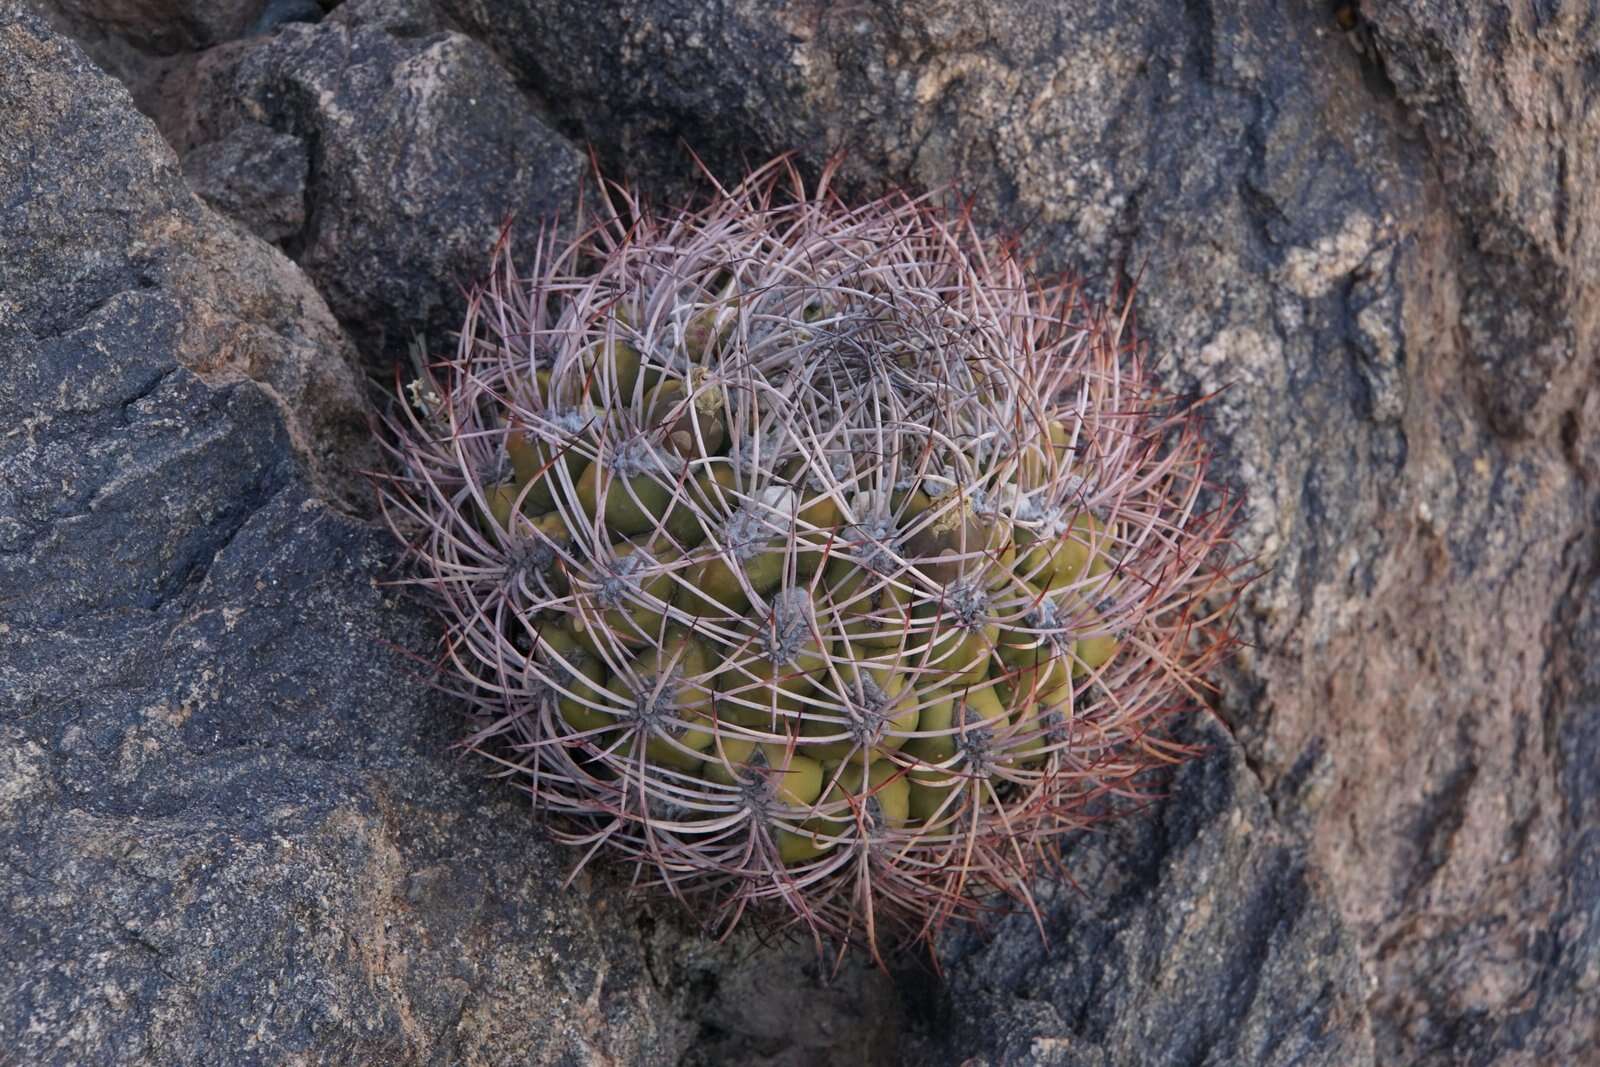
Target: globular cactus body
[{"x": 812, "y": 557}]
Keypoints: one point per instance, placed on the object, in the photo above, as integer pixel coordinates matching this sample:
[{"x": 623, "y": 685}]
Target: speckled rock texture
[
  {"x": 1195, "y": 934},
  {"x": 246, "y": 311},
  {"x": 408, "y": 149},
  {"x": 135, "y": 39},
  {"x": 255, "y": 176},
  {"x": 1365, "y": 231},
  {"x": 231, "y": 830}
]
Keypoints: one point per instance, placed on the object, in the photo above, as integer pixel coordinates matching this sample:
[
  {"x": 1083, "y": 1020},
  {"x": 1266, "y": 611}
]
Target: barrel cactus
[{"x": 820, "y": 561}]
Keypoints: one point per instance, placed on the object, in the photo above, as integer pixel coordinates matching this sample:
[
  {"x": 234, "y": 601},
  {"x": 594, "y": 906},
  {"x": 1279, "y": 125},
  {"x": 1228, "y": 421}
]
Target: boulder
[
  {"x": 167, "y": 27},
  {"x": 1502, "y": 94},
  {"x": 1195, "y": 932},
  {"x": 231, "y": 829},
  {"x": 1355, "y": 232},
  {"x": 382, "y": 153},
  {"x": 70, "y": 144},
  {"x": 134, "y": 39},
  {"x": 255, "y": 176}
]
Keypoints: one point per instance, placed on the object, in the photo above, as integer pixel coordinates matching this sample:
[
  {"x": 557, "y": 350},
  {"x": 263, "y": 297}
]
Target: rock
[
  {"x": 239, "y": 309},
  {"x": 1365, "y": 242},
  {"x": 419, "y": 148},
  {"x": 646, "y": 81},
  {"x": 1502, "y": 97},
  {"x": 136, "y": 39},
  {"x": 253, "y": 839},
  {"x": 161, "y": 27},
  {"x": 774, "y": 1003},
  {"x": 168, "y": 27},
  {"x": 254, "y": 176},
  {"x": 1570, "y": 989},
  {"x": 1193, "y": 934},
  {"x": 230, "y": 828}
]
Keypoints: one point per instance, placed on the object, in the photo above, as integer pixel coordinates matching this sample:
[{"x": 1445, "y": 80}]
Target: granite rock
[
  {"x": 1195, "y": 933},
  {"x": 231, "y": 830},
  {"x": 241, "y": 310},
  {"x": 1357, "y": 231},
  {"x": 255, "y": 176},
  {"x": 135, "y": 39},
  {"x": 407, "y": 147}
]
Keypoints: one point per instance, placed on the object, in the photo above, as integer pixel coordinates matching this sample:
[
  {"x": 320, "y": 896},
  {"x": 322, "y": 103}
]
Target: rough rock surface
[
  {"x": 1505, "y": 97},
  {"x": 773, "y": 1003},
  {"x": 132, "y": 38},
  {"x": 255, "y": 176},
  {"x": 166, "y": 27},
  {"x": 1373, "y": 233},
  {"x": 1195, "y": 934},
  {"x": 243, "y": 310},
  {"x": 230, "y": 829},
  {"x": 1367, "y": 222},
  {"x": 405, "y": 148}
]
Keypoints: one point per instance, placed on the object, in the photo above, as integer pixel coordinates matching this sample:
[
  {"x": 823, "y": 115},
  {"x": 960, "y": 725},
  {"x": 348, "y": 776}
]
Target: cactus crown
[{"x": 818, "y": 559}]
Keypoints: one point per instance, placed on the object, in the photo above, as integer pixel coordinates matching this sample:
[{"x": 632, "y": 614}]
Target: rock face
[
  {"x": 167, "y": 27},
  {"x": 1505, "y": 99},
  {"x": 1366, "y": 228},
  {"x": 382, "y": 154},
  {"x": 230, "y": 829},
  {"x": 133, "y": 38},
  {"x": 248, "y": 313},
  {"x": 254, "y": 176},
  {"x": 1193, "y": 935}
]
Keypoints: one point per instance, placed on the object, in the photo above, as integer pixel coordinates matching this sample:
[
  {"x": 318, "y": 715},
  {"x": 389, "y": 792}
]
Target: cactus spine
[{"x": 818, "y": 560}]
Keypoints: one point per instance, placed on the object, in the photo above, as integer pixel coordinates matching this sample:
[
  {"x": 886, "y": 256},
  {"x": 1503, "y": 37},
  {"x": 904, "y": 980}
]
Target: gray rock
[
  {"x": 254, "y": 176},
  {"x": 251, "y": 840},
  {"x": 230, "y": 827},
  {"x": 164, "y": 27},
  {"x": 420, "y": 147},
  {"x": 246, "y": 312},
  {"x": 1193, "y": 934},
  {"x": 1503, "y": 97},
  {"x": 1366, "y": 242},
  {"x": 646, "y": 81},
  {"x": 281, "y": 12},
  {"x": 774, "y": 1003},
  {"x": 136, "y": 39},
  {"x": 1365, "y": 228},
  {"x": 1571, "y": 993}
]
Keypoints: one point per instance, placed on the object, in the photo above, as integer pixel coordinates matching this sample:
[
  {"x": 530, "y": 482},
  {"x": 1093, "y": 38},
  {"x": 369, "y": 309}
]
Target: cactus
[{"x": 820, "y": 561}]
